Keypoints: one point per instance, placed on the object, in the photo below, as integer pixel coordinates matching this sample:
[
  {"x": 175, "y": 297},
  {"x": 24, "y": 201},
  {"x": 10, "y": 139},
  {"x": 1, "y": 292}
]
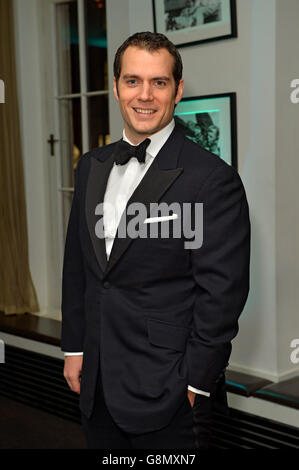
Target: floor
[{"x": 23, "y": 427}]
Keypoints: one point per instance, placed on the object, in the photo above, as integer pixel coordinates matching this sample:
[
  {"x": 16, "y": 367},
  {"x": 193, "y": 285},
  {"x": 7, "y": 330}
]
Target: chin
[{"x": 147, "y": 129}]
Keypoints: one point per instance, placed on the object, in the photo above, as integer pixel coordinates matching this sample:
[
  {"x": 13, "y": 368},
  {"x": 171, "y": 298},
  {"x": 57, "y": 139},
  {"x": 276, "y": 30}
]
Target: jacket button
[{"x": 106, "y": 284}]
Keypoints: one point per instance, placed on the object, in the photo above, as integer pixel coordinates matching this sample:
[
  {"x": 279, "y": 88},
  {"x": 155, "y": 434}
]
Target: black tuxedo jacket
[{"x": 156, "y": 317}]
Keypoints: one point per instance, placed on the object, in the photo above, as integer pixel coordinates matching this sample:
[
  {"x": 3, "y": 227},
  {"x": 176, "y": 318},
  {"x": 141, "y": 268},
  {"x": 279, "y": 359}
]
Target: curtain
[{"x": 17, "y": 292}]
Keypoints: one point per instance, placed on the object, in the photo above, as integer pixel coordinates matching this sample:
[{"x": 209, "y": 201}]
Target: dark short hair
[{"x": 150, "y": 42}]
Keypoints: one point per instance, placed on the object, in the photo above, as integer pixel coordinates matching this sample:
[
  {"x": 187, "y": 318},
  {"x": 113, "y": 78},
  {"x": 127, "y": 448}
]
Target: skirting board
[
  {"x": 31, "y": 345},
  {"x": 265, "y": 409},
  {"x": 265, "y": 374}
]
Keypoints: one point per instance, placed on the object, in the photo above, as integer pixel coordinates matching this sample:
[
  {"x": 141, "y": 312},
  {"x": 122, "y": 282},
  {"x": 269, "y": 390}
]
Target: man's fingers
[
  {"x": 74, "y": 383},
  {"x": 72, "y": 372}
]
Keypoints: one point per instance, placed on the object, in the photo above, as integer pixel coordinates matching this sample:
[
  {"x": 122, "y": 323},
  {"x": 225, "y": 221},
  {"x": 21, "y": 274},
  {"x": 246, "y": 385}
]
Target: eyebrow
[{"x": 127, "y": 76}]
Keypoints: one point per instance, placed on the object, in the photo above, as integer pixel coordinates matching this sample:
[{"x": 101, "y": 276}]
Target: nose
[{"x": 146, "y": 92}]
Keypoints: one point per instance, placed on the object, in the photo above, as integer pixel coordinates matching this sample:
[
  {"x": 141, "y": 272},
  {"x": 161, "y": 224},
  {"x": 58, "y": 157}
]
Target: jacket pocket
[{"x": 167, "y": 335}]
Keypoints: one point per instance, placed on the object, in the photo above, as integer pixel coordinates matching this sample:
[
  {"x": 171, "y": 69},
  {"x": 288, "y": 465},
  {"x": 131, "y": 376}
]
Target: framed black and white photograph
[
  {"x": 189, "y": 22},
  {"x": 211, "y": 122}
]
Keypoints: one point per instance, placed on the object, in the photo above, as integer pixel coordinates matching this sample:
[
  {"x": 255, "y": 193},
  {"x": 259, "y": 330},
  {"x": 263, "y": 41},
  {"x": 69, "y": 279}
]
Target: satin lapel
[
  {"x": 159, "y": 177},
  {"x": 95, "y": 191}
]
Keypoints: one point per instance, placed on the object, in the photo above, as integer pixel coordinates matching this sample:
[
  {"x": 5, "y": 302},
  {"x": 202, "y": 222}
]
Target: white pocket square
[{"x": 163, "y": 218}]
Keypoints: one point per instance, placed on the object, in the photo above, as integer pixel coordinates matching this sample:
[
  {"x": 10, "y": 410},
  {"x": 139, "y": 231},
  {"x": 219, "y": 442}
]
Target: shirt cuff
[
  {"x": 73, "y": 353},
  {"x": 199, "y": 392}
]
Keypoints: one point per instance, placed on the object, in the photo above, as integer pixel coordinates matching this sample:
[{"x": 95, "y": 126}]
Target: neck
[
  {"x": 138, "y": 140},
  {"x": 135, "y": 139}
]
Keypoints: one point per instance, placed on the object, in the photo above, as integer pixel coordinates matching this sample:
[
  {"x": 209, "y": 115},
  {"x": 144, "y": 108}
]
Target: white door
[{"x": 74, "y": 49}]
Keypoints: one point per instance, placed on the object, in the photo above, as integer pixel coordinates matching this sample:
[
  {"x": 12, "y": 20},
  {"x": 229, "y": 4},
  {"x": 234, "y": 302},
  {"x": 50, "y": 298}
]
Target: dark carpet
[{"x": 24, "y": 427}]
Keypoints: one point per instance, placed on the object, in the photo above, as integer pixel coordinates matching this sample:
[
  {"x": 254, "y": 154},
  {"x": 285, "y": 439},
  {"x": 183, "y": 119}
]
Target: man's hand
[
  {"x": 72, "y": 372},
  {"x": 191, "y": 396}
]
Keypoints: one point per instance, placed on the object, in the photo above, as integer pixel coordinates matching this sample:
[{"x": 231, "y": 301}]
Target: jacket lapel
[
  {"x": 95, "y": 191},
  {"x": 160, "y": 176}
]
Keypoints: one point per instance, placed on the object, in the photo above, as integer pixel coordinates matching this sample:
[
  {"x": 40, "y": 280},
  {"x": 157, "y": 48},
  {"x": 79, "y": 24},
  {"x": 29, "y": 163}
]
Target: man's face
[{"x": 146, "y": 92}]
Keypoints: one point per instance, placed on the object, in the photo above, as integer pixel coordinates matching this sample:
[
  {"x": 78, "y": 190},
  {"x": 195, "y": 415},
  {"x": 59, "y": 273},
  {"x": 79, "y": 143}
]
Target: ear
[
  {"x": 180, "y": 91},
  {"x": 115, "y": 92}
]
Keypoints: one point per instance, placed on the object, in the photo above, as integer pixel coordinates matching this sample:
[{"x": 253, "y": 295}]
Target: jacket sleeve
[
  {"x": 221, "y": 273},
  {"x": 73, "y": 282}
]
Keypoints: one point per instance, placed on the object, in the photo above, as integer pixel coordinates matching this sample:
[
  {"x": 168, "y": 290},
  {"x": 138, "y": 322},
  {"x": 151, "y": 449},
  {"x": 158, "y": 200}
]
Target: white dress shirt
[{"x": 122, "y": 182}]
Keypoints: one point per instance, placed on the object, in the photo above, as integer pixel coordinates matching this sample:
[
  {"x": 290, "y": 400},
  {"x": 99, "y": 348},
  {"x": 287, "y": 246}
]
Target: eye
[
  {"x": 160, "y": 83},
  {"x": 132, "y": 81}
]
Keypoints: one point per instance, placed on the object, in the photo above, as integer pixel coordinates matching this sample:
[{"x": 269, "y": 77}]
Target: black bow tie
[{"x": 125, "y": 151}]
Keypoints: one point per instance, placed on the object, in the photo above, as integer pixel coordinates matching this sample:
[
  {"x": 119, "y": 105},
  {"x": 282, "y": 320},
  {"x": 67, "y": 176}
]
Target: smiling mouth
[{"x": 144, "y": 111}]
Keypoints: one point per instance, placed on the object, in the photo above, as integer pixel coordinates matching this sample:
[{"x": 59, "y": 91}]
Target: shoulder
[
  {"x": 195, "y": 156},
  {"x": 204, "y": 166},
  {"x": 98, "y": 153}
]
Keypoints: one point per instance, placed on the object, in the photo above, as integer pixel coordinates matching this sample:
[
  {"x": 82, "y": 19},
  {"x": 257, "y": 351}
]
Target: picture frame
[
  {"x": 211, "y": 121},
  {"x": 190, "y": 22}
]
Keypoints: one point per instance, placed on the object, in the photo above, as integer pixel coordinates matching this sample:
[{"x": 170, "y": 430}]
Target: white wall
[
  {"x": 287, "y": 173},
  {"x": 28, "y": 70}
]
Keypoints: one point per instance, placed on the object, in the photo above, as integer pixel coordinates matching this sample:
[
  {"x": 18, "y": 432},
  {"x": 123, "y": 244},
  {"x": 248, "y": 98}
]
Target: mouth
[{"x": 143, "y": 111}]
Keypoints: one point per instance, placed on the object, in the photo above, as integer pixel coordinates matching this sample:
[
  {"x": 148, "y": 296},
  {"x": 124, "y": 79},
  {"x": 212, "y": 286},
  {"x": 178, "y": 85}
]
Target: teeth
[{"x": 144, "y": 111}]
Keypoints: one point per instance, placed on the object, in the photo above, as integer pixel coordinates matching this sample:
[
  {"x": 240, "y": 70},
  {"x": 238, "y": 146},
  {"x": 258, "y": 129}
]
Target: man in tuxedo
[{"x": 147, "y": 321}]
